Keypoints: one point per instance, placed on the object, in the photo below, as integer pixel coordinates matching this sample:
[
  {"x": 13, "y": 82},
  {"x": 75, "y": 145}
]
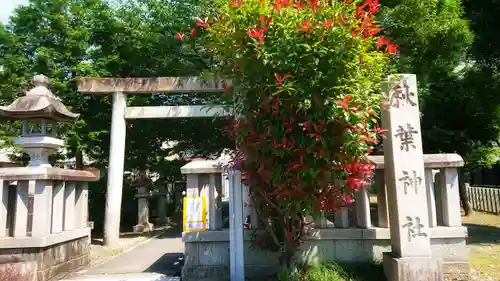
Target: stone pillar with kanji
[{"x": 410, "y": 259}]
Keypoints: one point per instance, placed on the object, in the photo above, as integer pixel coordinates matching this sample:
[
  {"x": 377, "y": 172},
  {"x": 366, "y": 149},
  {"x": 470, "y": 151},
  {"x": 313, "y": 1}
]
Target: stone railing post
[
  {"x": 320, "y": 221},
  {"x": 450, "y": 199},
  {"x": 250, "y": 219},
  {"x": 21, "y": 209},
  {"x": 4, "y": 203},
  {"x": 431, "y": 197},
  {"x": 58, "y": 207},
  {"x": 342, "y": 218},
  {"x": 363, "y": 216},
  {"x": 42, "y": 209},
  {"x": 225, "y": 185},
  {"x": 69, "y": 206},
  {"x": 382, "y": 206},
  {"x": 81, "y": 205},
  {"x": 204, "y": 178}
]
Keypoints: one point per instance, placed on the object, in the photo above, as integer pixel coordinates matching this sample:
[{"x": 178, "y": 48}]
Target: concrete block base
[
  {"x": 14, "y": 269},
  {"x": 147, "y": 227},
  {"x": 44, "y": 264},
  {"x": 207, "y": 253},
  {"x": 412, "y": 268}
]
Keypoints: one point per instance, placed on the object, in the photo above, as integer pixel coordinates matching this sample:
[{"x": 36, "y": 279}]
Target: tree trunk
[
  {"x": 79, "y": 160},
  {"x": 464, "y": 199}
]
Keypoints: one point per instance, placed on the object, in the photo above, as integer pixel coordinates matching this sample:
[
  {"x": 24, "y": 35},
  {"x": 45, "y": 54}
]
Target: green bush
[
  {"x": 326, "y": 272},
  {"x": 336, "y": 272},
  {"x": 305, "y": 79}
]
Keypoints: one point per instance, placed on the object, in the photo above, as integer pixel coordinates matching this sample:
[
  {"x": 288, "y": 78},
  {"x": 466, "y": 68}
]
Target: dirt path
[{"x": 484, "y": 245}]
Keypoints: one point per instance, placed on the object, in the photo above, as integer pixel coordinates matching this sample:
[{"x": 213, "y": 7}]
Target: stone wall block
[
  {"x": 201, "y": 271},
  {"x": 191, "y": 254},
  {"x": 214, "y": 253},
  {"x": 48, "y": 258},
  {"x": 254, "y": 255},
  {"x": 73, "y": 249},
  {"x": 377, "y": 248},
  {"x": 316, "y": 252},
  {"x": 60, "y": 254},
  {"x": 51, "y": 262},
  {"x": 17, "y": 270},
  {"x": 351, "y": 251}
]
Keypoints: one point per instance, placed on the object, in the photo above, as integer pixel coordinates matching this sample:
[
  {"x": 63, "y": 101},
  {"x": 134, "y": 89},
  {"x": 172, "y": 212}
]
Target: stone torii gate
[{"x": 119, "y": 88}]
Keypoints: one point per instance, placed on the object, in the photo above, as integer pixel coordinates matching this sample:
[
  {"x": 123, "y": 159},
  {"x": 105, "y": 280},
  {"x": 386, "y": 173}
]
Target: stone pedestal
[
  {"x": 143, "y": 224},
  {"x": 412, "y": 268},
  {"x": 410, "y": 258}
]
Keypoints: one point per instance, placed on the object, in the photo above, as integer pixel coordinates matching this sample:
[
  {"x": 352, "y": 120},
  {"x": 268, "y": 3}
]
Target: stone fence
[
  {"x": 358, "y": 233},
  {"x": 43, "y": 220}
]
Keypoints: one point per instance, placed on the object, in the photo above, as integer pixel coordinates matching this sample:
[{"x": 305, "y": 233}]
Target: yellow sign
[{"x": 195, "y": 214}]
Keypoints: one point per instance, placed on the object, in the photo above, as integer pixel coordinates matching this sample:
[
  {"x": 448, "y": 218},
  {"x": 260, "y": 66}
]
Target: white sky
[{"x": 7, "y": 6}]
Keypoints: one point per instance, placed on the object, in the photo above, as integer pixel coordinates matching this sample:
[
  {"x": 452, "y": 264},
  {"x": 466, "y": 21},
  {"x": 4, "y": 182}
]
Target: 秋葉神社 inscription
[
  {"x": 402, "y": 95},
  {"x": 411, "y": 180},
  {"x": 405, "y": 134},
  {"x": 414, "y": 227}
]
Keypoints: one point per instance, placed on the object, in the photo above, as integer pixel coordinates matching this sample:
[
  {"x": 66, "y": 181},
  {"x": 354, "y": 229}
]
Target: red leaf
[
  {"x": 236, "y": 4},
  {"x": 257, "y": 34},
  {"x": 314, "y": 4},
  {"x": 345, "y": 102},
  {"x": 280, "y": 4},
  {"x": 265, "y": 23},
  {"x": 327, "y": 24},
  {"x": 279, "y": 79},
  {"x": 299, "y": 5},
  {"x": 201, "y": 23},
  {"x": 180, "y": 36},
  {"x": 304, "y": 25},
  {"x": 381, "y": 41},
  {"x": 392, "y": 49}
]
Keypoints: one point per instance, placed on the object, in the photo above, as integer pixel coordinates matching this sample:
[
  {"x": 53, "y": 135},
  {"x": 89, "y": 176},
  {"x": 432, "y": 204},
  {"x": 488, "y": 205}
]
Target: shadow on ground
[
  {"x": 169, "y": 264},
  {"x": 364, "y": 272},
  {"x": 482, "y": 234}
]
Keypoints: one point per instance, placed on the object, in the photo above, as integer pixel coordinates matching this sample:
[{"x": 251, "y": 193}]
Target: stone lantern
[
  {"x": 39, "y": 110},
  {"x": 43, "y": 209}
]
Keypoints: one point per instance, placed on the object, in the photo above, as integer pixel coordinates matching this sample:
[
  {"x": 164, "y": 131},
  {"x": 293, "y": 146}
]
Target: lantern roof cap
[{"x": 38, "y": 103}]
